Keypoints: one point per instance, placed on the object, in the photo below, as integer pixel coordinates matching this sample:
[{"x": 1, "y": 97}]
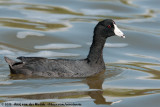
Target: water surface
[{"x": 64, "y": 29}]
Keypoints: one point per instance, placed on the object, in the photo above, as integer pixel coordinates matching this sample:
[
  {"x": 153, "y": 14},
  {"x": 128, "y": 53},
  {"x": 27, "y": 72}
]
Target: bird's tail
[{"x": 9, "y": 61}]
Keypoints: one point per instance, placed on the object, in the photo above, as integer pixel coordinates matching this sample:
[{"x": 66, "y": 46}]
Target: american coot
[{"x": 93, "y": 64}]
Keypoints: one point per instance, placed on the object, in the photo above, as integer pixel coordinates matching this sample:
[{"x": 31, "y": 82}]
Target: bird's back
[{"x": 39, "y": 66}]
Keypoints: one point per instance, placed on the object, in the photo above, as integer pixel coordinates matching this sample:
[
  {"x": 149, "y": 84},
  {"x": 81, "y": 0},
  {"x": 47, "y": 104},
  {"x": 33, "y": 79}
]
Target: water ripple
[{"x": 57, "y": 46}]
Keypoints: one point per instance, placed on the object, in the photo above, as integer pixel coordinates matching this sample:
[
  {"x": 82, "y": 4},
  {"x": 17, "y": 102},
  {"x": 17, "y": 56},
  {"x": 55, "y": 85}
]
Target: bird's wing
[{"x": 27, "y": 59}]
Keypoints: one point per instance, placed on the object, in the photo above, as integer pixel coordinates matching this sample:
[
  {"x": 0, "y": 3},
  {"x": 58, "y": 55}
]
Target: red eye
[{"x": 109, "y": 26}]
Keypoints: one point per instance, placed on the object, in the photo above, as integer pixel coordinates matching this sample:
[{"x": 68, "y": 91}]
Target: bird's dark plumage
[{"x": 93, "y": 64}]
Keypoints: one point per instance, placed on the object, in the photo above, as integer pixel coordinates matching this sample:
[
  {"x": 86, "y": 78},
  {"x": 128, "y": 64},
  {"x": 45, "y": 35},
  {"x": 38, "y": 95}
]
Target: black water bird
[{"x": 93, "y": 64}]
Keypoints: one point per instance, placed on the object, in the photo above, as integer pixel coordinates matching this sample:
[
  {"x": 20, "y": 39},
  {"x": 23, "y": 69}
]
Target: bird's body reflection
[{"x": 94, "y": 83}]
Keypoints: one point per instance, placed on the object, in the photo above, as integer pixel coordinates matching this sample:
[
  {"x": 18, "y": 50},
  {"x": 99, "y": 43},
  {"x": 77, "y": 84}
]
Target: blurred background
[{"x": 64, "y": 29}]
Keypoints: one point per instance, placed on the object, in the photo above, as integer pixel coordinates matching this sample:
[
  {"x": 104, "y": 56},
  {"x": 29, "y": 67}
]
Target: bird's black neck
[{"x": 95, "y": 55}]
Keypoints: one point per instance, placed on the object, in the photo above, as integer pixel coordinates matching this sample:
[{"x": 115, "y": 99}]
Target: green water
[{"x": 64, "y": 29}]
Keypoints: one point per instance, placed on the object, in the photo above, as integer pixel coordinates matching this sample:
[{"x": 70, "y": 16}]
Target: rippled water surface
[{"x": 64, "y": 29}]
